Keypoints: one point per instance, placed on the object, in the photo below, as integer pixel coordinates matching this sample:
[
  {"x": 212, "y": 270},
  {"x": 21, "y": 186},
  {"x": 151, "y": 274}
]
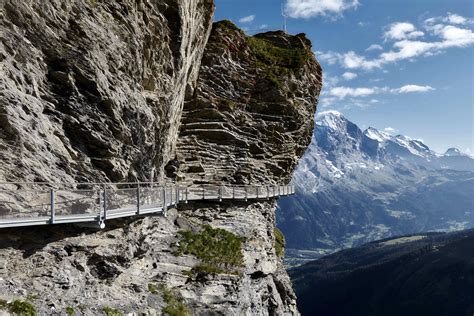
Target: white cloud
[
  {"x": 344, "y": 92},
  {"x": 330, "y": 57},
  {"x": 311, "y": 8},
  {"x": 390, "y": 130},
  {"x": 412, "y": 88},
  {"x": 263, "y": 26},
  {"x": 341, "y": 92},
  {"x": 374, "y": 47},
  {"x": 451, "y": 18},
  {"x": 247, "y": 19},
  {"x": 351, "y": 60},
  {"x": 402, "y": 30},
  {"x": 349, "y": 75},
  {"x": 405, "y": 47}
]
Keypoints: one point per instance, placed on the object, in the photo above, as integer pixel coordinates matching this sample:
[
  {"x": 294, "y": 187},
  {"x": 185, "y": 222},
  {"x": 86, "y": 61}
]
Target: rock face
[
  {"x": 94, "y": 91},
  {"x": 251, "y": 116}
]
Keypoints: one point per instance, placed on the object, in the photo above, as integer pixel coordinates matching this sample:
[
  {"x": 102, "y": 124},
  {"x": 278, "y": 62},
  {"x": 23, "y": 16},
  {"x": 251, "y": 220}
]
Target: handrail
[{"x": 106, "y": 202}]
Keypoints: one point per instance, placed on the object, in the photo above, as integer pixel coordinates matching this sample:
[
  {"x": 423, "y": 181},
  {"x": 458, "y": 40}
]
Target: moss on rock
[
  {"x": 219, "y": 250},
  {"x": 279, "y": 243}
]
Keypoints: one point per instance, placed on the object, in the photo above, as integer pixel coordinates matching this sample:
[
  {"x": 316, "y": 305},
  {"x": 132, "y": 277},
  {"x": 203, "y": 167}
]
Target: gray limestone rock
[{"x": 94, "y": 91}]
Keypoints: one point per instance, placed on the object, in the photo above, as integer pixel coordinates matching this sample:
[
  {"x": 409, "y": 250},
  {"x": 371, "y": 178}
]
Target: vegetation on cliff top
[
  {"x": 273, "y": 60},
  {"x": 269, "y": 53},
  {"x": 276, "y": 61},
  {"x": 219, "y": 250}
]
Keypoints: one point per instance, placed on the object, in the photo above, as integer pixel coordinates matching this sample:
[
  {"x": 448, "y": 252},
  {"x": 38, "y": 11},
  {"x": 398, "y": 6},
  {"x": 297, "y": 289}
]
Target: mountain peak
[
  {"x": 332, "y": 119},
  {"x": 453, "y": 151},
  {"x": 377, "y": 135},
  {"x": 330, "y": 112}
]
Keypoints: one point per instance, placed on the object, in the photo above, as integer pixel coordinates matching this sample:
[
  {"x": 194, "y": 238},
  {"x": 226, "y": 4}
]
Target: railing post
[
  {"x": 257, "y": 192},
  {"x": 177, "y": 196},
  {"x": 104, "y": 203},
  {"x": 233, "y": 192},
  {"x": 220, "y": 193},
  {"x": 138, "y": 198},
  {"x": 268, "y": 193},
  {"x": 203, "y": 192},
  {"x": 165, "y": 207},
  {"x": 279, "y": 190},
  {"x": 245, "y": 188},
  {"x": 51, "y": 200},
  {"x": 186, "y": 201}
]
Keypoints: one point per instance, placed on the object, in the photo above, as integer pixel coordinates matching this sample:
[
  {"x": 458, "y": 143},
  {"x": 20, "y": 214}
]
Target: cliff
[{"x": 99, "y": 91}]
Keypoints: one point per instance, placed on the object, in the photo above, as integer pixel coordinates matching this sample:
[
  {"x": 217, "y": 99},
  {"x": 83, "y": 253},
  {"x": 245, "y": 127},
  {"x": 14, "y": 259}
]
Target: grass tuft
[
  {"x": 175, "y": 306},
  {"x": 21, "y": 308},
  {"x": 219, "y": 250},
  {"x": 70, "y": 311},
  {"x": 111, "y": 311},
  {"x": 152, "y": 288},
  {"x": 279, "y": 243}
]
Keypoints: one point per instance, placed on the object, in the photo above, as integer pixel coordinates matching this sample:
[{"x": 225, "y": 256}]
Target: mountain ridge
[
  {"x": 420, "y": 274},
  {"x": 355, "y": 185}
]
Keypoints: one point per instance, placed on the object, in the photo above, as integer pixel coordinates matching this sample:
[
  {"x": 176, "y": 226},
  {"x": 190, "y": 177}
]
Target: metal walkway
[{"x": 95, "y": 203}]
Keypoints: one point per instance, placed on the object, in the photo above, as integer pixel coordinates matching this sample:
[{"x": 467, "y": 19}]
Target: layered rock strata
[{"x": 94, "y": 91}]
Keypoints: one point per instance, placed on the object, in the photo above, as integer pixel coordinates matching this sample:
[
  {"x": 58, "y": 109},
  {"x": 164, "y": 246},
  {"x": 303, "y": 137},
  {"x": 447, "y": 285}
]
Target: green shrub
[
  {"x": 271, "y": 54},
  {"x": 275, "y": 61},
  {"x": 152, "y": 288},
  {"x": 3, "y": 304},
  {"x": 70, "y": 311},
  {"x": 21, "y": 308},
  {"x": 92, "y": 3},
  {"x": 111, "y": 311},
  {"x": 279, "y": 243},
  {"x": 32, "y": 297},
  {"x": 229, "y": 25},
  {"x": 174, "y": 306},
  {"x": 219, "y": 250}
]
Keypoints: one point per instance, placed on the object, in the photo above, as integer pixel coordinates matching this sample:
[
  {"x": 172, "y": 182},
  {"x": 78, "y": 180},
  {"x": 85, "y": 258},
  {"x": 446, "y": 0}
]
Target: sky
[{"x": 403, "y": 66}]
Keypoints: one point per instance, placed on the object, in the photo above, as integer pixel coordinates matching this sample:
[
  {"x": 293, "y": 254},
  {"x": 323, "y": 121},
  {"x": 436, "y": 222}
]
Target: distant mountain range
[
  {"x": 427, "y": 274},
  {"x": 355, "y": 186}
]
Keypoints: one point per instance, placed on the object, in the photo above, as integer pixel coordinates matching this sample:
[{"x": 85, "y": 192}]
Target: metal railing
[{"x": 95, "y": 202}]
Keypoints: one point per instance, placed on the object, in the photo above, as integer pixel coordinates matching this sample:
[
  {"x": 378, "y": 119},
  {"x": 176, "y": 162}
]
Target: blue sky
[{"x": 405, "y": 66}]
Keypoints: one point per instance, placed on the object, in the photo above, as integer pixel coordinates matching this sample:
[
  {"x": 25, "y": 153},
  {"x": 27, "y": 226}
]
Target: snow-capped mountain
[
  {"x": 454, "y": 152},
  {"x": 355, "y": 186}
]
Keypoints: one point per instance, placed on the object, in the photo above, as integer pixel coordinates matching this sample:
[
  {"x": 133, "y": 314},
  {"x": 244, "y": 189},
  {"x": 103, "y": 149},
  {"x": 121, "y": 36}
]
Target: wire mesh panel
[
  {"x": 151, "y": 198},
  {"x": 121, "y": 199},
  {"x": 228, "y": 192},
  {"x": 211, "y": 192},
  {"x": 24, "y": 204},
  {"x": 240, "y": 192},
  {"x": 196, "y": 192},
  {"x": 251, "y": 192},
  {"x": 76, "y": 202}
]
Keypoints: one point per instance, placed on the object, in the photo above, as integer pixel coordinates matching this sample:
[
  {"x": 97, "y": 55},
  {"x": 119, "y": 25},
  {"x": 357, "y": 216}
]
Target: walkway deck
[{"x": 21, "y": 206}]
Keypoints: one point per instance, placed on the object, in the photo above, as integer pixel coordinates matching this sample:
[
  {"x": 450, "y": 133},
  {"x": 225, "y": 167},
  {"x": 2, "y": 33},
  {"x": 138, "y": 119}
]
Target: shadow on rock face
[{"x": 35, "y": 238}]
